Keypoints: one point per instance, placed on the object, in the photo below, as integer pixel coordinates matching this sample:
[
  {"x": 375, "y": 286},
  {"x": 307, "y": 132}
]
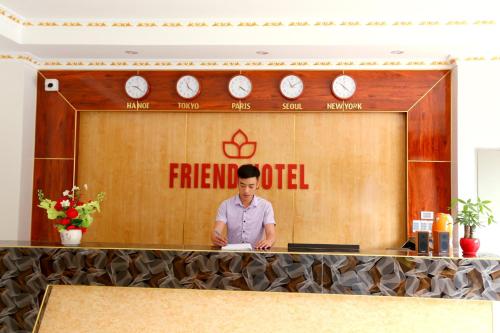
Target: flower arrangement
[{"x": 68, "y": 211}]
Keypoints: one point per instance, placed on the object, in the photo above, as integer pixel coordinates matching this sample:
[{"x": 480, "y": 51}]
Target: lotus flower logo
[{"x": 239, "y": 146}]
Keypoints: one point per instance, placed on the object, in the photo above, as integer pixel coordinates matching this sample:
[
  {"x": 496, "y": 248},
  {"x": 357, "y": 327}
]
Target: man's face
[{"x": 247, "y": 187}]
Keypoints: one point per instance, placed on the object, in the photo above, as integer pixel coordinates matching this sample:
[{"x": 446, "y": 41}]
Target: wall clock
[
  {"x": 291, "y": 86},
  {"x": 188, "y": 87},
  {"x": 343, "y": 86},
  {"x": 136, "y": 87},
  {"x": 240, "y": 86}
]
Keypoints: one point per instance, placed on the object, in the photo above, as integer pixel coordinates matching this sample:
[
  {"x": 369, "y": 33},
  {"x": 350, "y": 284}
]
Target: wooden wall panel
[
  {"x": 377, "y": 90},
  {"x": 124, "y": 154},
  {"x": 429, "y": 125},
  {"x": 429, "y": 188},
  {"x": 55, "y": 125},
  {"x": 356, "y": 173},
  {"x": 274, "y": 134},
  {"x": 132, "y": 165},
  {"x": 428, "y": 138},
  {"x": 52, "y": 177}
]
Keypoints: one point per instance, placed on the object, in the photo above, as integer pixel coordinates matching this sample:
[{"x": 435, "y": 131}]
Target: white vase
[{"x": 71, "y": 237}]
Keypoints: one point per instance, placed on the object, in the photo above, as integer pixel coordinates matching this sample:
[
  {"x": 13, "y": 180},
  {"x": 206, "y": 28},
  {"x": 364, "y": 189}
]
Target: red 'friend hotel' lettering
[{"x": 218, "y": 175}]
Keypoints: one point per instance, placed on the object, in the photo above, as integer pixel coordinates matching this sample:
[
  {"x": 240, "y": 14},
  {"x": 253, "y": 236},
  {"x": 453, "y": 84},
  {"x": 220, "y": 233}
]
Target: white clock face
[
  {"x": 136, "y": 87},
  {"x": 188, "y": 87},
  {"x": 240, "y": 86},
  {"x": 343, "y": 86},
  {"x": 291, "y": 86}
]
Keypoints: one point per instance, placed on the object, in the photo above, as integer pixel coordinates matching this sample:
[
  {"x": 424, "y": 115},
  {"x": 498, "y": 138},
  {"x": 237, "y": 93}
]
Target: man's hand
[
  {"x": 264, "y": 244},
  {"x": 218, "y": 239}
]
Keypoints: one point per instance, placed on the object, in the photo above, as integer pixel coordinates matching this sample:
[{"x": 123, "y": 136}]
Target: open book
[{"x": 237, "y": 247}]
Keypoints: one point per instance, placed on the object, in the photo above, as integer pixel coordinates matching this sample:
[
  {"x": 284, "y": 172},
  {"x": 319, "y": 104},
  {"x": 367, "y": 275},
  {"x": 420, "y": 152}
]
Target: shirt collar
[{"x": 255, "y": 201}]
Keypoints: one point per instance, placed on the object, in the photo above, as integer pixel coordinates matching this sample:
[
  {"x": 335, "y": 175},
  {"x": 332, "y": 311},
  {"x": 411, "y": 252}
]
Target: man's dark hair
[{"x": 248, "y": 171}]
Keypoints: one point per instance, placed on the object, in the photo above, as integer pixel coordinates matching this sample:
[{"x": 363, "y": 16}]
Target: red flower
[
  {"x": 76, "y": 203},
  {"x": 70, "y": 227},
  {"x": 71, "y": 213},
  {"x": 65, "y": 221},
  {"x": 58, "y": 205},
  {"x": 84, "y": 230}
]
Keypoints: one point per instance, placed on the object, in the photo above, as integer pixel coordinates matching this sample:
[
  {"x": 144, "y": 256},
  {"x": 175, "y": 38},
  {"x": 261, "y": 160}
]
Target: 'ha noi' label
[{"x": 137, "y": 105}]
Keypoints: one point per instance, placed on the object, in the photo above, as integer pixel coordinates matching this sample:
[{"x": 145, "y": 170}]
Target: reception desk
[{"x": 26, "y": 268}]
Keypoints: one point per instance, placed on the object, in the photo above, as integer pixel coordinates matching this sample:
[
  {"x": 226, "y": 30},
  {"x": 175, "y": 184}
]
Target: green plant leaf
[{"x": 473, "y": 214}]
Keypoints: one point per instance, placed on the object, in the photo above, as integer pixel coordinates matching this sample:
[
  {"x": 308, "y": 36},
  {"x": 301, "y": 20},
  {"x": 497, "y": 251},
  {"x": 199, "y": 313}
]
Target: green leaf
[{"x": 473, "y": 214}]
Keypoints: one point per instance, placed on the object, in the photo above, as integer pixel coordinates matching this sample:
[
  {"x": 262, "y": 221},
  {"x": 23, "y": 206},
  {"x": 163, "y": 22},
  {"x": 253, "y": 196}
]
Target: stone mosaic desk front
[{"x": 26, "y": 270}]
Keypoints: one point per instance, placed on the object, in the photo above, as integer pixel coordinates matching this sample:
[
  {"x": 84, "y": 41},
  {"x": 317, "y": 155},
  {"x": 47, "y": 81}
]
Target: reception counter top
[
  {"x": 204, "y": 248},
  {"x": 26, "y": 268}
]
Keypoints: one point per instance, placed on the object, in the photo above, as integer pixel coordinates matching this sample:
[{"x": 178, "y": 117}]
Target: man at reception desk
[{"x": 248, "y": 218}]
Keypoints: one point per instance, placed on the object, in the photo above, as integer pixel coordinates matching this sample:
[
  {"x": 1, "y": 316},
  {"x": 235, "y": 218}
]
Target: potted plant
[
  {"x": 472, "y": 215},
  {"x": 72, "y": 216}
]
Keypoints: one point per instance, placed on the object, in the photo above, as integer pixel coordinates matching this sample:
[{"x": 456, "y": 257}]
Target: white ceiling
[{"x": 438, "y": 30}]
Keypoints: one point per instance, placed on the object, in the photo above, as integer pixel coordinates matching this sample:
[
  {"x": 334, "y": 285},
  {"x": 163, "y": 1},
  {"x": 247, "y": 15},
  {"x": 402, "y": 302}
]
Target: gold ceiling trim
[
  {"x": 171, "y": 24},
  {"x": 273, "y": 24},
  {"x": 432, "y": 23},
  {"x": 202, "y": 24},
  {"x": 250, "y": 63},
  {"x": 222, "y": 24},
  {"x": 128, "y": 63},
  {"x": 226, "y": 24},
  {"x": 72, "y": 24},
  {"x": 146, "y": 24},
  {"x": 345, "y": 63},
  {"x": 229, "y": 63},
  {"x": 475, "y": 59},
  {"x": 391, "y": 63},
  {"x": 96, "y": 24}
]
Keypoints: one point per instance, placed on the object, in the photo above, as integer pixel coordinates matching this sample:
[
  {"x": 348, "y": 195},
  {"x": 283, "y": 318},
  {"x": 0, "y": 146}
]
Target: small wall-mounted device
[
  {"x": 51, "y": 85},
  {"x": 426, "y": 215}
]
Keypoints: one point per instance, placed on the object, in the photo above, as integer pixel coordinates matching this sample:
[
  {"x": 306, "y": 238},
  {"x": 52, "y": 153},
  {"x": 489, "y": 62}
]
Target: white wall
[
  {"x": 488, "y": 187},
  {"x": 478, "y": 126},
  {"x": 17, "y": 129}
]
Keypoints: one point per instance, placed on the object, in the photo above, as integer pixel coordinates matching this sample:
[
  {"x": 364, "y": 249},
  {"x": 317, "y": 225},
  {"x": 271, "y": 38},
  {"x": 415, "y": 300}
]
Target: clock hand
[
  {"x": 187, "y": 84},
  {"x": 243, "y": 89},
  {"x": 136, "y": 87},
  {"x": 344, "y": 86},
  {"x": 290, "y": 84}
]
